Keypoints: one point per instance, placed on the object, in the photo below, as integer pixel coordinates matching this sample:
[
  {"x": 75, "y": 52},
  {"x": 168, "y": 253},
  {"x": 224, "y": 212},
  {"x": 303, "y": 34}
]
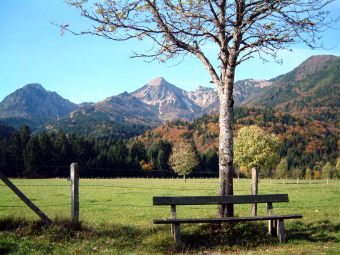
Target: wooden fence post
[
  {"x": 173, "y": 216},
  {"x": 25, "y": 199},
  {"x": 74, "y": 192}
]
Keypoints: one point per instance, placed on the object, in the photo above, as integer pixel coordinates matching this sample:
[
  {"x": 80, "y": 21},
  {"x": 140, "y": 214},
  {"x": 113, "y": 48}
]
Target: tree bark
[
  {"x": 185, "y": 180},
  {"x": 226, "y": 147},
  {"x": 254, "y": 189}
]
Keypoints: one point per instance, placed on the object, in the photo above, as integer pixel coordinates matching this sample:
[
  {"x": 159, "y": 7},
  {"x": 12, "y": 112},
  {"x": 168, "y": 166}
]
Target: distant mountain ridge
[
  {"x": 310, "y": 89},
  {"x": 158, "y": 101},
  {"x": 122, "y": 108},
  {"x": 171, "y": 102},
  {"x": 33, "y": 101}
]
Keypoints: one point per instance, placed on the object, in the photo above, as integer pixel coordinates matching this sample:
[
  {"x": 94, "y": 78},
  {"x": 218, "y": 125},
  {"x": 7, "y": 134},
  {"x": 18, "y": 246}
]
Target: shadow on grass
[
  {"x": 18, "y": 233},
  {"x": 319, "y": 231},
  {"x": 251, "y": 235},
  {"x": 226, "y": 236}
]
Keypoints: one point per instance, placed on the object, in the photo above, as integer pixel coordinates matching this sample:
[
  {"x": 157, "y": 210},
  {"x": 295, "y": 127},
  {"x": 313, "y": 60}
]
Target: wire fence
[
  {"x": 150, "y": 206},
  {"x": 125, "y": 192},
  {"x": 152, "y": 190}
]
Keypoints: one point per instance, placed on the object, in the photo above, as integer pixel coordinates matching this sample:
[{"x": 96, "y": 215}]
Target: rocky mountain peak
[
  {"x": 157, "y": 90},
  {"x": 124, "y": 94},
  {"x": 200, "y": 89},
  {"x": 167, "y": 100},
  {"x": 34, "y": 86},
  {"x": 158, "y": 81}
]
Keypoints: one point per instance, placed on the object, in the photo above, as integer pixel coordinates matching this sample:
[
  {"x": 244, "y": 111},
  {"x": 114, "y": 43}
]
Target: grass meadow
[{"x": 116, "y": 218}]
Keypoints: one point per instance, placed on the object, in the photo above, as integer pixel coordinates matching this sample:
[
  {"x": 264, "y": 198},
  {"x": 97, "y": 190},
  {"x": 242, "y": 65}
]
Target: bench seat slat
[
  {"x": 205, "y": 200},
  {"x": 232, "y": 219}
]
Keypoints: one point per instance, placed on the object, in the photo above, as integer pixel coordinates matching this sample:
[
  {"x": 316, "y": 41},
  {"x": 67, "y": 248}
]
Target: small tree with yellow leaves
[
  {"x": 309, "y": 173},
  {"x": 183, "y": 159},
  {"x": 327, "y": 171},
  {"x": 255, "y": 149}
]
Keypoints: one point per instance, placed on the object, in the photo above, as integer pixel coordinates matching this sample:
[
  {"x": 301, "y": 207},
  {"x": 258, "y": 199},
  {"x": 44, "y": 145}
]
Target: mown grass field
[{"x": 116, "y": 218}]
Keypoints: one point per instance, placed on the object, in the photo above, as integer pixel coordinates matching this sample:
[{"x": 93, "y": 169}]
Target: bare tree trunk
[
  {"x": 254, "y": 189},
  {"x": 185, "y": 180},
  {"x": 226, "y": 148}
]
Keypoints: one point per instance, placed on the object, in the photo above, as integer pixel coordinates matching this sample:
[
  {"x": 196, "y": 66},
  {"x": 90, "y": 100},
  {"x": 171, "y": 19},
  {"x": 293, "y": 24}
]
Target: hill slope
[{"x": 316, "y": 80}]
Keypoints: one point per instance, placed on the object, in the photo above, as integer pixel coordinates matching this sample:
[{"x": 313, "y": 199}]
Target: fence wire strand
[{"x": 151, "y": 206}]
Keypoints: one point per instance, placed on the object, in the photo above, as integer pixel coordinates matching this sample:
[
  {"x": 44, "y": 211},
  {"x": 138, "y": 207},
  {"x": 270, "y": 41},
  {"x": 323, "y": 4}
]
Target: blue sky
[{"x": 88, "y": 68}]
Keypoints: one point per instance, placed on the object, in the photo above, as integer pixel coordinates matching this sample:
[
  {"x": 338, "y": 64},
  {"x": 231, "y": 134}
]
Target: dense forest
[
  {"x": 305, "y": 143},
  {"x": 50, "y": 155}
]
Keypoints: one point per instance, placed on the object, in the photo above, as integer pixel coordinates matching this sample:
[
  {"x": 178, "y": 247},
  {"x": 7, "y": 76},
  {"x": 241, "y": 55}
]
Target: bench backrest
[{"x": 207, "y": 200}]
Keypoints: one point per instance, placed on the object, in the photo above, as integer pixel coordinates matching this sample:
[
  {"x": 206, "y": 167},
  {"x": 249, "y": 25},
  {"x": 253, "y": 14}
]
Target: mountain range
[
  {"x": 155, "y": 102},
  {"x": 310, "y": 88}
]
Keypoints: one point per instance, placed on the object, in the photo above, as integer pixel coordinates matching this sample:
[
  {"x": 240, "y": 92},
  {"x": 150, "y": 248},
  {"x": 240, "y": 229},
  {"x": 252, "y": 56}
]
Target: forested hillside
[
  {"x": 305, "y": 143},
  {"x": 310, "y": 89},
  {"x": 98, "y": 125}
]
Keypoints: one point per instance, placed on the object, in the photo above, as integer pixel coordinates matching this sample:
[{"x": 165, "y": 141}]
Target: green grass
[{"x": 116, "y": 218}]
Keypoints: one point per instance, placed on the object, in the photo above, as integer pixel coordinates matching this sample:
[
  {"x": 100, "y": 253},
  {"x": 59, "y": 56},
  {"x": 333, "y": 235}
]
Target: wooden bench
[{"x": 275, "y": 224}]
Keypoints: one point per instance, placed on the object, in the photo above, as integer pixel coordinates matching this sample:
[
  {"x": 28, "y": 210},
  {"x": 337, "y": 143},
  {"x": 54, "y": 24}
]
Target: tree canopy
[
  {"x": 282, "y": 168},
  {"x": 255, "y": 148},
  {"x": 327, "y": 171},
  {"x": 184, "y": 27},
  {"x": 183, "y": 159}
]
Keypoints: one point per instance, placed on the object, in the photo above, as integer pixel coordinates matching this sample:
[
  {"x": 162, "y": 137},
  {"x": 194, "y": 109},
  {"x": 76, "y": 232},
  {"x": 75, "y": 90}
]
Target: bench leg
[
  {"x": 272, "y": 227},
  {"x": 271, "y": 223},
  {"x": 281, "y": 231},
  {"x": 177, "y": 231}
]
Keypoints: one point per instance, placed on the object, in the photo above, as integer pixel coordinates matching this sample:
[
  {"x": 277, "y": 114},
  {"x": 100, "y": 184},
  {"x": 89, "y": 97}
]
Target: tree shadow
[
  {"x": 16, "y": 231},
  {"x": 319, "y": 231},
  {"x": 251, "y": 235},
  {"x": 228, "y": 236}
]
